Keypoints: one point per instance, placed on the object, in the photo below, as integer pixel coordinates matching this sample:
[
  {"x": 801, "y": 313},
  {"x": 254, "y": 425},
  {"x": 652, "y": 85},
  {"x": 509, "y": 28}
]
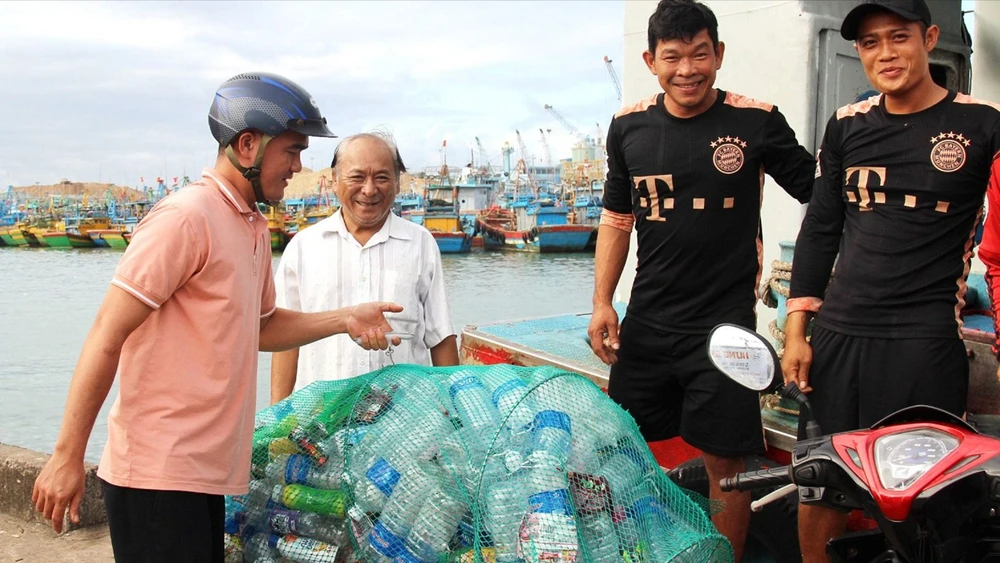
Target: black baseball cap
[{"x": 912, "y": 10}]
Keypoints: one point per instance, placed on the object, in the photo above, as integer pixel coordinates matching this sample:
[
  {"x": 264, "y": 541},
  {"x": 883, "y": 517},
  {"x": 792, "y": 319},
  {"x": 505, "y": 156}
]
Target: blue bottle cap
[
  {"x": 232, "y": 526},
  {"x": 551, "y": 419},
  {"x": 281, "y": 410}
]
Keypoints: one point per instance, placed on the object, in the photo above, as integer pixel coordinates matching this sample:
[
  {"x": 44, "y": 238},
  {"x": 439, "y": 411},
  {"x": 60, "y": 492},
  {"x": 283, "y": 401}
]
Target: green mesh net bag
[{"x": 468, "y": 464}]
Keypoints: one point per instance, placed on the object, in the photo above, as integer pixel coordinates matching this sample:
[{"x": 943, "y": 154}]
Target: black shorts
[
  {"x": 150, "y": 526},
  {"x": 670, "y": 387},
  {"x": 858, "y": 380}
]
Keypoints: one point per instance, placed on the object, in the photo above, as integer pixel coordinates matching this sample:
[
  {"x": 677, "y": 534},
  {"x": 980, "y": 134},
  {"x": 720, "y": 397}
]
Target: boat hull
[
  {"x": 279, "y": 238},
  {"x": 547, "y": 238},
  {"x": 7, "y": 238},
  {"x": 109, "y": 238},
  {"x": 17, "y": 237},
  {"x": 32, "y": 239},
  {"x": 452, "y": 243},
  {"x": 96, "y": 237},
  {"x": 68, "y": 240}
]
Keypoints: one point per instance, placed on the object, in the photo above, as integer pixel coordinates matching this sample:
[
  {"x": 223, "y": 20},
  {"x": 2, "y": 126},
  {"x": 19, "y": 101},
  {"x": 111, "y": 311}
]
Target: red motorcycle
[{"x": 928, "y": 478}]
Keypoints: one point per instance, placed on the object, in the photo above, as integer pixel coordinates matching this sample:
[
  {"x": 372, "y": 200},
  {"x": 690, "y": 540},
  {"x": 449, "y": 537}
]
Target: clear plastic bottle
[
  {"x": 551, "y": 433},
  {"x": 298, "y": 469},
  {"x": 472, "y": 400},
  {"x": 435, "y": 526},
  {"x": 505, "y": 509},
  {"x": 259, "y": 550},
  {"x": 600, "y": 539},
  {"x": 656, "y": 527},
  {"x": 303, "y": 550},
  {"x": 550, "y": 526},
  {"x": 389, "y": 533},
  {"x": 623, "y": 476},
  {"x": 307, "y": 524},
  {"x": 509, "y": 397}
]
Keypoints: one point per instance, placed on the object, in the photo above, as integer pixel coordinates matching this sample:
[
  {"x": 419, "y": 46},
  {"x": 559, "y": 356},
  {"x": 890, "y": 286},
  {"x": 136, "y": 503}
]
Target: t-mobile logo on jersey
[
  {"x": 650, "y": 190},
  {"x": 864, "y": 198},
  {"x": 649, "y": 197}
]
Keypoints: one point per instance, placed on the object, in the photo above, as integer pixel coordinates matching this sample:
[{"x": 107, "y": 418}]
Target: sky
[{"x": 116, "y": 91}]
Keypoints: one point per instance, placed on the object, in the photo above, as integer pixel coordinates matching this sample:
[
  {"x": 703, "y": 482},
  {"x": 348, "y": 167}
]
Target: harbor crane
[
  {"x": 484, "y": 163},
  {"x": 545, "y": 147},
  {"x": 523, "y": 162},
  {"x": 580, "y": 136},
  {"x": 614, "y": 77}
]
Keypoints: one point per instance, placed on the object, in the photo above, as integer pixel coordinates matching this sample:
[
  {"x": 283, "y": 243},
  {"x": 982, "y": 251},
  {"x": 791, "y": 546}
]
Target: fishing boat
[
  {"x": 528, "y": 220},
  {"x": 409, "y": 205},
  {"x": 6, "y": 236},
  {"x": 73, "y": 232},
  {"x": 442, "y": 218},
  {"x": 30, "y": 236},
  {"x": 109, "y": 238},
  {"x": 276, "y": 225}
]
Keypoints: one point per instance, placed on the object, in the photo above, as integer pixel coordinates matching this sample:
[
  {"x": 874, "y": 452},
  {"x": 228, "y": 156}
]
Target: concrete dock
[{"x": 25, "y": 537}]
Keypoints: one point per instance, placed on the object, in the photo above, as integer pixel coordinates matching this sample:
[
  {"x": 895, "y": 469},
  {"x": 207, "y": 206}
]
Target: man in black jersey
[
  {"x": 686, "y": 169},
  {"x": 899, "y": 190}
]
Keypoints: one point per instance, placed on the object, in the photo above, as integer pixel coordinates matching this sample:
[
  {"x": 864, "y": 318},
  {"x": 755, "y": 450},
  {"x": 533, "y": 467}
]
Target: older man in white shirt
[{"x": 363, "y": 253}]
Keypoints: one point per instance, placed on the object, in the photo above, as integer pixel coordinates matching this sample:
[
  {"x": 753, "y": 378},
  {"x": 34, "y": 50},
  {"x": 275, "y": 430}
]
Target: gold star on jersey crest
[{"x": 958, "y": 137}]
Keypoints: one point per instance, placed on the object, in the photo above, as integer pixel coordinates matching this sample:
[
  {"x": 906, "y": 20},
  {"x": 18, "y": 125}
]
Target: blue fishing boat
[
  {"x": 528, "y": 219},
  {"x": 442, "y": 218}
]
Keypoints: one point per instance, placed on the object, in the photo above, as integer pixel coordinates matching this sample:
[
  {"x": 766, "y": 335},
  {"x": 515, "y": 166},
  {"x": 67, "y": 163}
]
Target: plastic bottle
[
  {"x": 550, "y": 526},
  {"x": 299, "y": 469},
  {"x": 505, "y": 509},
  {"x": 599, "y": 537},
  {"x": 656, "y": 527},
  {"x": 436, "y": 524},
  {"x": 304, "y": 550},
  {"x": 551, "y": 433},
  {"x": 472, "y": 401},
  {"x": 307, "y": 524},
  {"x": 299, "y": 497},
  {"x": 509, "y": 397},
  {"x": 623, "y": 476},
  {"x": 389, "y": 533},
  {"x": 259, "y": 550}
]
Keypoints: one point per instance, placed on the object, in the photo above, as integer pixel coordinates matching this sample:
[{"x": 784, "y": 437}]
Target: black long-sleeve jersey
[
  {"x": 694, "y": 189},
  {"x": 899, "y": 197}
]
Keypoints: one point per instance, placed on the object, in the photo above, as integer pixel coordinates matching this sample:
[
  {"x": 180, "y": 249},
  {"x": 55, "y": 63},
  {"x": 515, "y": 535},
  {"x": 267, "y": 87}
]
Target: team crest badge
[
  {"x": 728, "y": 155},
  {"x": 948, "y": 154}
]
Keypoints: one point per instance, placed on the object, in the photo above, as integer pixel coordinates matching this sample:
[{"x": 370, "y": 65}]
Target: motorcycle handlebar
[{"x": 774, "y": 477}]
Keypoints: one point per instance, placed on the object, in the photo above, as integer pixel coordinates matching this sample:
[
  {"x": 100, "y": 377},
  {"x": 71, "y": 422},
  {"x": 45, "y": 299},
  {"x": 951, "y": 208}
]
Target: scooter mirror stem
[{"x": 792, "y": 391}]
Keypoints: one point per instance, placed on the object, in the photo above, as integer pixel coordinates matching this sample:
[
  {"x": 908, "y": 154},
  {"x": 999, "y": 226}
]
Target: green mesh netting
[{"x": 476, "y": 464}]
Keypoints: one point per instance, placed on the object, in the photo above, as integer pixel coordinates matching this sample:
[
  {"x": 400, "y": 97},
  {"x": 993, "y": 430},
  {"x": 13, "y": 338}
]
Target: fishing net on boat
[{"x": 468, "y": 464}]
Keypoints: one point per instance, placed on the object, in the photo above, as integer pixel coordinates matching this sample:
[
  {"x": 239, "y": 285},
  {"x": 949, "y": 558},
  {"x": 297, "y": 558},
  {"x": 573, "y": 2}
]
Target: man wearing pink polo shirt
[{"x": 191, "y": 303}]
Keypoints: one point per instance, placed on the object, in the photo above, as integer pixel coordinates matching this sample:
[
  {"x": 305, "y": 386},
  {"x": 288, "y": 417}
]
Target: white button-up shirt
[{"x": 324, "y": 267}]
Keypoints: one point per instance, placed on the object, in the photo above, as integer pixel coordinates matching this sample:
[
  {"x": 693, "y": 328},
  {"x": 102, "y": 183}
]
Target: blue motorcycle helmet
[{"x": 266, "y": 103}]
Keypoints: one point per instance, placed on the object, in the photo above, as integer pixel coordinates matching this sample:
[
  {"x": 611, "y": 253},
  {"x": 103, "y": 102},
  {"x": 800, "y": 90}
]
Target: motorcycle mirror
[{"x": 744, "y": 356}]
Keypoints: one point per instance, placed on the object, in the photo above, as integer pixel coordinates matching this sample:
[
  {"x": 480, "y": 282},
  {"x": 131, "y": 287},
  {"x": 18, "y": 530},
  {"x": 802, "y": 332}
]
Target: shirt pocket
[{"x": 403, "y": 288}]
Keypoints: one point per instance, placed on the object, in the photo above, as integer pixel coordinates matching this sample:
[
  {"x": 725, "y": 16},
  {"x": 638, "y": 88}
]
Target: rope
[
  {"x": 780, "y": 271},
  {"x": 772, "y": 401}
]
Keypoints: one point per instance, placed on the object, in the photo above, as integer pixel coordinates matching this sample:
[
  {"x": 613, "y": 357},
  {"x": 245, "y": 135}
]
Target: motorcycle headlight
[{"x": 903, "y": 458}]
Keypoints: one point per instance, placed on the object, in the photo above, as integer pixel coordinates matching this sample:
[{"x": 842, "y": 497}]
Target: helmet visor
[{"x": 310, "y": 127}]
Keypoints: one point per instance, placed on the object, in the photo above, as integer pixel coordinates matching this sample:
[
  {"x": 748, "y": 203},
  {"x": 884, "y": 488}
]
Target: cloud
[{"x": 121, "y": 90}]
